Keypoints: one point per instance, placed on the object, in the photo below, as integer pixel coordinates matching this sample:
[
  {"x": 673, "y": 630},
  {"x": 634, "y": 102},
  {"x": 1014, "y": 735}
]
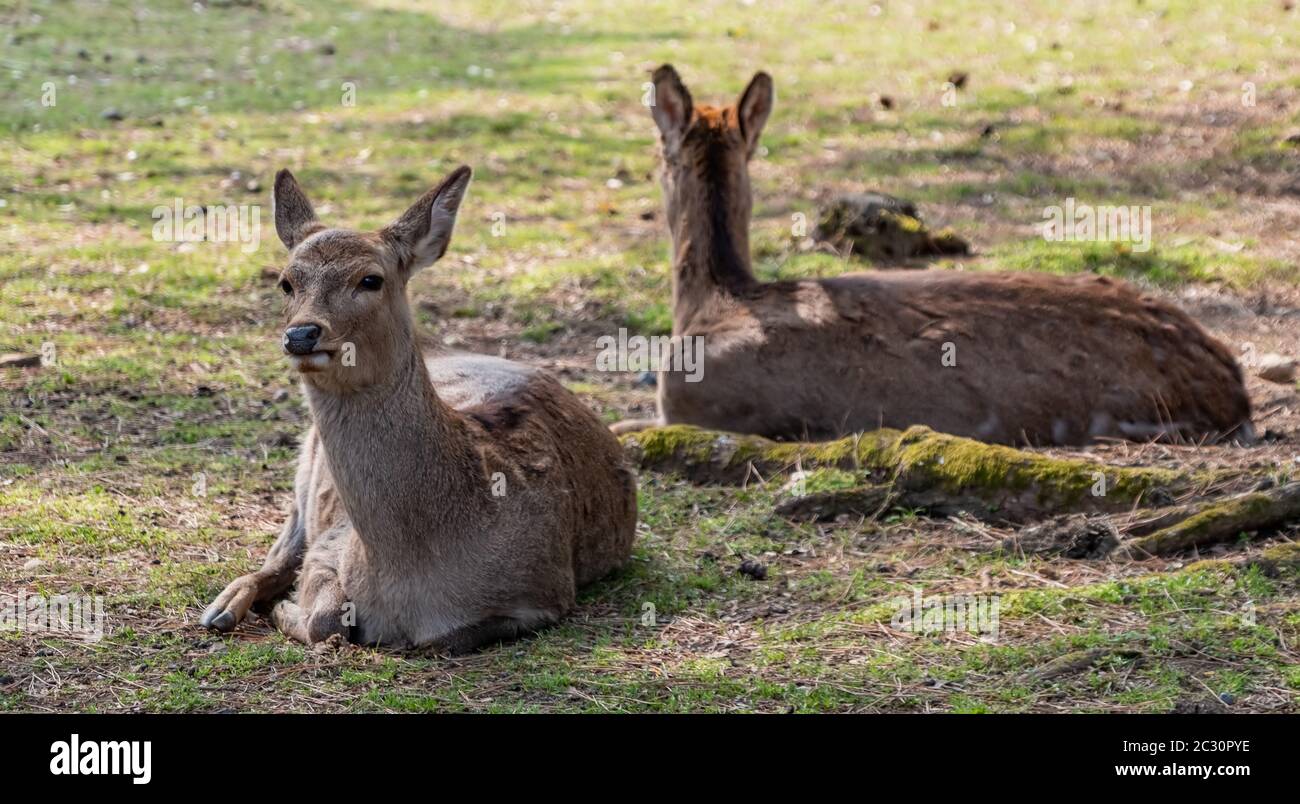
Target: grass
[{"x": 150, "y": 461}]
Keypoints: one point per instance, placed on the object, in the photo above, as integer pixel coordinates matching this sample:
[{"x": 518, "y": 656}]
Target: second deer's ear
[
  {"x": 294, "y": 217},
  {"x": 754, "y": 107},
  {"x": 421, "y": 236},
  {"x": 671, "y": 106}
]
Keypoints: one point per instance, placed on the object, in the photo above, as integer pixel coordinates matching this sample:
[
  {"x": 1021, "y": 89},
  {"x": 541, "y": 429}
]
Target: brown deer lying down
[
  {"x": 1004, "y": 358},
  {"x": 441, "y": 499}
]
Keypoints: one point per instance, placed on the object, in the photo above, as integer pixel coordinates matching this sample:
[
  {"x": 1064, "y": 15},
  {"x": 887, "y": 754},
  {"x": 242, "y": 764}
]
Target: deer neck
[
  {"x": 710, "y": 250},
  {"x": 402, "y": 462}
]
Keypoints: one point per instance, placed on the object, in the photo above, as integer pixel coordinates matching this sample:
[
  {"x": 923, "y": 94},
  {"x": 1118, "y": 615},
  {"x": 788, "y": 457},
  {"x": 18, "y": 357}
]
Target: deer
[
  {"x": 1013, "y": 358},
  {"x": 442, "y": 499}
]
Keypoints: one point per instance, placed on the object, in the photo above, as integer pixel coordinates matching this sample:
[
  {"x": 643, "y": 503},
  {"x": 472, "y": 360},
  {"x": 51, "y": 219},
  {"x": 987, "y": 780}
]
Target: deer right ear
[
  {"x": 671, "y": 106},
  {"x": 294, "y": 217}
]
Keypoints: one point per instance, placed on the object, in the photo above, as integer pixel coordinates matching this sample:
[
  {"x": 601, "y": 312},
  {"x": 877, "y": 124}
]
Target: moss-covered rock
[
  {"x": 941, "y": 473},
  {"x": 883, "y": 228},
  {"x": 1222, "y": 521}
]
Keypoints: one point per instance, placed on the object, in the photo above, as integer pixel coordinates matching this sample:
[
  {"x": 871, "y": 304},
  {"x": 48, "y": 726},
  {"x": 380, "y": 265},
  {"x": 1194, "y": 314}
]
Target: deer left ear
[
  {"x": 420, "y": 237},
  {"x": 754, "y": 107}
]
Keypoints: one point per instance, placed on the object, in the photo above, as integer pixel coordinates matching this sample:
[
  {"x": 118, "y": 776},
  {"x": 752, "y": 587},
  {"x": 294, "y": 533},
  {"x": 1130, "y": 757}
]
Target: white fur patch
[{"x": 466, "y": 380}]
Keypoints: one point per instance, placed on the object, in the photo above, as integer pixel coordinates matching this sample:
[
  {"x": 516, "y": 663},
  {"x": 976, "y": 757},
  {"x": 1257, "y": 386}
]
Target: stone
[{"x": 1277, "y": 368}]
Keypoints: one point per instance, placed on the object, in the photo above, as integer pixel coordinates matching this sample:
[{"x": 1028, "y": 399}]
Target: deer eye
[
  {"x": 286, "y": 287},
  {"x": 372, "y": 282}
]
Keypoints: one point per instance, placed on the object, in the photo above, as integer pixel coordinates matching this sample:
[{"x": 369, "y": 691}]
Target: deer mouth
[{"x": 318, "y": 360}]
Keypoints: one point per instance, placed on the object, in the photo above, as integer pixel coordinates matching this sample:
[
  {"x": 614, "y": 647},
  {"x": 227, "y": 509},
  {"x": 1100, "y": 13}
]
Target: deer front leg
[
  {"x": 321, "y": 609},
  {"x": 275, "y": 576}
]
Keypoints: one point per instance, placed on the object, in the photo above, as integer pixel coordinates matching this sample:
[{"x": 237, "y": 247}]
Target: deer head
[
  {"x": 347, "y": 322},
  {"x": 706, "y": 149}
]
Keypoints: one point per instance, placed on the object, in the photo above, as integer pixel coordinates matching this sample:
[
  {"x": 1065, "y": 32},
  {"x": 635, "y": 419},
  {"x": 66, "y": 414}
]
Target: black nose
[{"x": 301, "y": 340}]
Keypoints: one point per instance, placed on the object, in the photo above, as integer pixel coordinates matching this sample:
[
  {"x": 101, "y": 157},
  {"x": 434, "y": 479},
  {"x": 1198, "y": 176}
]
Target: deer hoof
[{"x": 218, "y": 619}]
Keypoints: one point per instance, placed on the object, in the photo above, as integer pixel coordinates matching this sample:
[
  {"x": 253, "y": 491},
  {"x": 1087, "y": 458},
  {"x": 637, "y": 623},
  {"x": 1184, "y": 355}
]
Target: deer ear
[
  {"x": 671, "y": 106},
  {"x": 421, "y": 236},
  {"x": 294, "y": 217},
  {"x": 754, "y": 107}
]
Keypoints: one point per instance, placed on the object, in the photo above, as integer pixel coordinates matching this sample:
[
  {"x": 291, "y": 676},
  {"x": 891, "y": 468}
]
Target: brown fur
[
  {"x": 443, "y": 499},
  {"x": 1040, "y": 359}
]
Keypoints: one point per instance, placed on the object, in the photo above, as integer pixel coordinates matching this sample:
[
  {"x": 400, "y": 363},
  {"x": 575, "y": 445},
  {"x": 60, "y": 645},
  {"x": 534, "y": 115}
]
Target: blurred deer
[
  {"x": 1000, "y": 357},
  {"x": 441, "y": 499}
]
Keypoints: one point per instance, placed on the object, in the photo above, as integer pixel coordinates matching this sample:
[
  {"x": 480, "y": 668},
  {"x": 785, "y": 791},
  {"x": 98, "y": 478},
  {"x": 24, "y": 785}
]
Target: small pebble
[{"x": 1277, "y": 368}]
